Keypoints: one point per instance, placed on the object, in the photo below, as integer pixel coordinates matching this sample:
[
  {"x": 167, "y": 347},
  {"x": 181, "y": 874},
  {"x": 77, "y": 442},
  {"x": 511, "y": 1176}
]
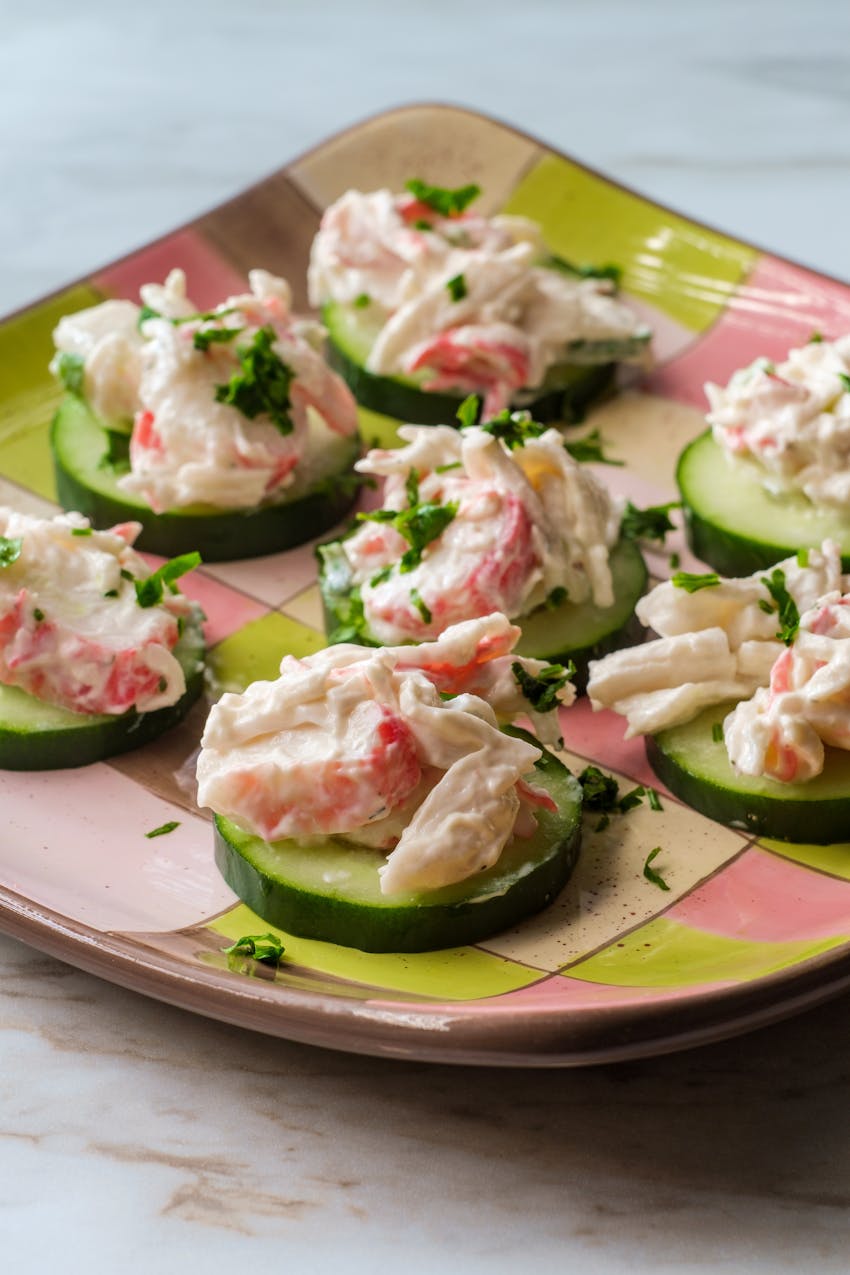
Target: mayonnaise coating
[
  {"x": 72, "y": 631},
  {"x": 507, "y": 322},
  {"x": 187, "y": 446},
  {"x": 725, "y": 642},
  {"x": 791, "y": 420},
  {"x": 347, "y": 740},
  {"x": 526, "y": 522}
]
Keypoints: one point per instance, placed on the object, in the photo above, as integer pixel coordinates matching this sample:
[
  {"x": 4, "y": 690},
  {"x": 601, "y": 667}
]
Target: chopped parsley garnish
[
  {"x": 202, "y": 316},
  {"x": 444, "y": 469},
  {"x": 467, "y": 413},
  {"x": 514, "y": 429},
  {"x": 651, "y": 523},
  {"x": 541, "y": 689},
  {"x": 590, "y": 448},
  {"x": 457, "y": 287},
  {"x": 802, "y": 557},
  {"x": 71, "y": 370},
  {"x": 421, "y": 224},
  {"x": 205, "y": 337},
  {"x": 653, "y": 799},
  {"x": 444, "y": 200},
  {"x": 162, "y": 685},
  {"x": 554, "y": 599},
  {"x": 602, "y": 792},
  {"x": 111, "y": 593},
  {"x": 650, "y": 873},
  {"x": 717, "y": 732},
  {"x": 10, "y": 549},
  {"x": 674, "y": 560},
  {"x": 361, "y": 301},
  {"x": 163, "y": 829},
  {"x": 586, "y": 270},
  {"x": 149, "y": 591},
  {"x": 262, "y": 386},
  {"x": 38, "y": 615},
  {"x": 815, "y": 338},
  {"x": 419, "y": 524},
  {"x": 693, "y": 583},
  {"x": 602, "y": 824},
  {"x": 352, "y": 620},
  {"x": 262, "y": 947},
  {"x": 844, "y": 379},
  {"x": 81, "y": 531},
  {"x": 421, "y": 605},
  {"x": 411, "y": 487},
  {"x": 126, "y": 575},
  {"x": 785, "y": 606},
  {"x": 631, "y": 799},
  {"x": 380, "y": 576},
  {"x": 147, "y": 312},
  {"x": 608, "y": 271}
]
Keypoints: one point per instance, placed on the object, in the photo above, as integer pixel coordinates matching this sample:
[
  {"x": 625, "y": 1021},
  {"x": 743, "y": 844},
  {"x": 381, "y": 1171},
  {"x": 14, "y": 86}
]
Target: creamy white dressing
[
  {"x": 720, "y": 643},
  {"x": 71, "y": 629},
  {"x": 186, "y": 447},
  {"x": 464, "y": 297},
  {"x": 358, "y": 743},
  {"x": 528, "y": 521},
  {"x": 791, "y": 420}
]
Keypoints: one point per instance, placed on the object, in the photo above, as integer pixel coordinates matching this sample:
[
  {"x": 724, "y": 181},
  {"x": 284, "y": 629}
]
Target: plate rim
[{"x": 562, "y": 1037}]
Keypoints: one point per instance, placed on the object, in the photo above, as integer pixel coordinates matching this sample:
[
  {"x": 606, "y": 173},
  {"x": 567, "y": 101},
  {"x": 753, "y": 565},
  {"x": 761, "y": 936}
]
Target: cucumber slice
[
  {"x": 330, "y": 889},
  {"x": 583, "y": 632},
  {"x": 697, "y": 768},
  {"x": 89, "y": 458},
  {"x": 577, "y": 632},
  {"x": 565, "y": 394},
  {"x": 736, "y": 526},
  {"x": 35, "y": 735}
]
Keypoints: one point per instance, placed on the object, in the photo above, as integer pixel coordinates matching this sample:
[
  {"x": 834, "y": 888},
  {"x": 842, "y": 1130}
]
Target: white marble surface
[{"x": 134, "y": 1137}]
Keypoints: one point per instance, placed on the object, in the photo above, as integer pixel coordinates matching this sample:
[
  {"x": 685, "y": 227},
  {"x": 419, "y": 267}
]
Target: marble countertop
[{"x": 135, "y": 1137}]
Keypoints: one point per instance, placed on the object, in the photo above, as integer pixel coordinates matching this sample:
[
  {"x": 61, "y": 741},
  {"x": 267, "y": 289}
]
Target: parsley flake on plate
[
  {"x": 650, "y": 873},
  {"x": 163, "y": 829},
  {"x": 261, "y": 947}
]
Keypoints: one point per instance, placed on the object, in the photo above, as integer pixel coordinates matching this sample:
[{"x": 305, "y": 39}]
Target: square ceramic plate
[{"x": 616, "y": 968}]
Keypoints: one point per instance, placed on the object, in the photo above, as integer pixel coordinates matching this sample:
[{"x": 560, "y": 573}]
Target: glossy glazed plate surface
[{"x": 748, "y": 931}]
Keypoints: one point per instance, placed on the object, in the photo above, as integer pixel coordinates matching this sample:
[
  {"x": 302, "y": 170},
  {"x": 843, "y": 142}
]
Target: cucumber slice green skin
[
  {"x": 86, "y": 481},
  {"x": 569, "y": 632},
  {"x": 696, "y": 768},
  {"x": 580, "y": 386},
  {"x": 735, "y": 526},
  {"x": 526, "y": 879},
  {"x": 35, "y": 735}
]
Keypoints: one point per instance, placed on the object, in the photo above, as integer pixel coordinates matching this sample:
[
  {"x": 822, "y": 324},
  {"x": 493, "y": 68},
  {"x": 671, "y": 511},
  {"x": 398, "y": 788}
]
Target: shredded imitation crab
[
  {"x": 360, "y": 743},
  {"x": 166, "y": 366},
  {"x": 72, "y": 631},
  {"x": 461, "y": 298},
  {"x": 523, "y": 523},
  {"x": 791, "y": 420},
  {"x": 720, "y": 643}
]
